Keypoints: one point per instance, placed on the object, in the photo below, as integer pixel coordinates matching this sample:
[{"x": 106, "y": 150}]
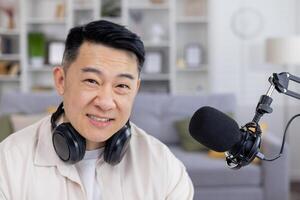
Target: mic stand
[
  {"x": 280, "y": 82},
  {"x": 244, "y": 153}
]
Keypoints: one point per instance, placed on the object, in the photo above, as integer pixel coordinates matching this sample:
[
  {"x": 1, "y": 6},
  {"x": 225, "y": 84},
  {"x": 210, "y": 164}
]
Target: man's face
[{"x": 98, "y": 91}]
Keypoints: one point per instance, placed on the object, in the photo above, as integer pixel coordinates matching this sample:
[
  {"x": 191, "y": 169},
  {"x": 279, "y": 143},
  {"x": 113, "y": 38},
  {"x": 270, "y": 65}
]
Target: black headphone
[{"x": 70, "y": 146}]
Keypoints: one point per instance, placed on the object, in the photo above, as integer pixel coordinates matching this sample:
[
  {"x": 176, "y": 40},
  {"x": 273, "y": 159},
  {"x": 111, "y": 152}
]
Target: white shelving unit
[
  {"x": 165, "y": 28},
  {"x": 153, "y": 22},
  {"x": 191, "y": 54}
]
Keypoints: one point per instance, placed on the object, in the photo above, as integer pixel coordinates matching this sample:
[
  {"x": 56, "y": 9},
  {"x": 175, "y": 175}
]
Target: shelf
[
  {"x": 192, "y": 19},
  {"x": 45, "y": 21},
  {"x": 45, "y": 68},
  {"x": 10, "y": 57},
  {"x": 9, "y": 78},
  {"x": 195, "y": 69},
  {"x": 155, "y": 77},
  {"x": 149, "y": 7},
  {"x": 83, "y": 7},
  {"x": 12, "y": 32}
]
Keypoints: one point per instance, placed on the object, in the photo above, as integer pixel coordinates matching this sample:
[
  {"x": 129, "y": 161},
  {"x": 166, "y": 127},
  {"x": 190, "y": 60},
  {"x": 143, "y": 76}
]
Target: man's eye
[
  {"x": 91, "y": 81},
  {"x": 123, "y": 86}
]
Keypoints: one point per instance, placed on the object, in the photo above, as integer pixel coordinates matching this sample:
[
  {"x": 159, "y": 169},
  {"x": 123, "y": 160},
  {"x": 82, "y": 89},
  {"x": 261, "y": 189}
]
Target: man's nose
[{"x": 105, "y": 99}]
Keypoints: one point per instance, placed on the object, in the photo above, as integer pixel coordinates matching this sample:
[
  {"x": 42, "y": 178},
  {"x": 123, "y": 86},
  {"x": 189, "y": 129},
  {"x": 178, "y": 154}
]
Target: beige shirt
[{"x": 31, "y": 170}]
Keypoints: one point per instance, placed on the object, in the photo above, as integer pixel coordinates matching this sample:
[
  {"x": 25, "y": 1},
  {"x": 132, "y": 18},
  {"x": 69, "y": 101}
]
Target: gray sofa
[{"x": 156, "y": 114}]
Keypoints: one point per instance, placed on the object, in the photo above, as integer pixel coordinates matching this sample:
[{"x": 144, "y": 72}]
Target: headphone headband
[{"x": 56, "y": 115}]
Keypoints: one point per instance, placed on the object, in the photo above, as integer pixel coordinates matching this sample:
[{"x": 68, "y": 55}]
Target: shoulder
[
  {"x": 168, "y": 169},
  {"x": 150, "y": 149},
  {"x": 141, "y": 139}
]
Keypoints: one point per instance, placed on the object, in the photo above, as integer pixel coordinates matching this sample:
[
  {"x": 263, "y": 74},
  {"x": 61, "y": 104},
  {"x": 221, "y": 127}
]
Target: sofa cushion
[
  {"x": 214, "y": 172},
  {"x": 147, "y": 113},
  {"x": 178, "y": 107},
  {"x": 187, "y": 142},
  {"x": 20, "y": 121},
  {"x": 5, "y": 127}
]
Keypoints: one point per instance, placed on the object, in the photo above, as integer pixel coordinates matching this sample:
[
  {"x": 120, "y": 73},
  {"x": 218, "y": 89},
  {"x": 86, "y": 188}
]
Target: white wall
[{"x": 238, "y": 63}]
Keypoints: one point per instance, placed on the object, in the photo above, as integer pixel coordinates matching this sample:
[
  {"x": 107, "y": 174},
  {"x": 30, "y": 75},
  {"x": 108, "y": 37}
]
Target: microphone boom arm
[{"x": 279, "y": 82}]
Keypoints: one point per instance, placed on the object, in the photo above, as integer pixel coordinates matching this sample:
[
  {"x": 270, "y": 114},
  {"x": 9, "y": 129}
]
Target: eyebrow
[{"x": 98, "y": 72}]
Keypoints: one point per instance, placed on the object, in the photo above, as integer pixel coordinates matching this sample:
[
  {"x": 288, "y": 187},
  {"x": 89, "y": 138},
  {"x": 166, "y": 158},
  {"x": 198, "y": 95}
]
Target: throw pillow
[
  {"x": 20, "y": 121},
  {"x": 5, "y": 127},
  {"x": 187, "y": 142}
]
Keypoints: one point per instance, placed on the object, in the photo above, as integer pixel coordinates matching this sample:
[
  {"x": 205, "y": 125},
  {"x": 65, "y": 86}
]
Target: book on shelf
[
  {"x": 6, "y": 45},
  {"x": 9, "y": 68}
]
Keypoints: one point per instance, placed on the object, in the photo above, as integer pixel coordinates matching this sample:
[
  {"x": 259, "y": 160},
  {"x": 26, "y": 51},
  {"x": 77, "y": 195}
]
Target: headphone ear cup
[
  {"x": 117, "y": 145},
  {"x": 68, "y": 143}
]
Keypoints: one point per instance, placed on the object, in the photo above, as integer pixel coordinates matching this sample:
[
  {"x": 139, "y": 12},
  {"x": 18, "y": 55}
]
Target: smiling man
[{"x": 89, "y": 149}]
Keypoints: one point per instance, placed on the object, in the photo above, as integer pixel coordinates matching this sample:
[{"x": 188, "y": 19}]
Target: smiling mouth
[{"x": 99, "y": 119}]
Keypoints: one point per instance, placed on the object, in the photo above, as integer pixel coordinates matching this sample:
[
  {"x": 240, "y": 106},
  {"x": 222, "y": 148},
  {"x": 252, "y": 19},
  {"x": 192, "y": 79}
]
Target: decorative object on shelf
[
  {"x": 111, "y": 8},
  {"x": 180, "y": 63},
  {"x": 195, "y": 7},
  {"x": 193, "y": 55},
  {"x": 55, "y": 53},
  {"x": 137, "y": 19},
  {"x": 10, "y": 15},
  {"x": 153, "y": 62},
  {"x": 60, "y": 11},
  {"x": 36, "y": 49},
  {"x": 247, "y": 23},
  {"x": 157, "y": 33}
]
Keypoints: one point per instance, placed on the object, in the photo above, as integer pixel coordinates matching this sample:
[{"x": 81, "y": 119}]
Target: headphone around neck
[{"x": 70, "y": 146}]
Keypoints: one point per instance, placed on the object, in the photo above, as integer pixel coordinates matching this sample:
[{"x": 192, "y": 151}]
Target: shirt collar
[{"x": 45, "y": 155}]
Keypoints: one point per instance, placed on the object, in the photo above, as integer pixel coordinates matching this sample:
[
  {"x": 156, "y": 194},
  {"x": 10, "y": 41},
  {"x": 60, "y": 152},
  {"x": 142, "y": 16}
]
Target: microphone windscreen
[{"x": 214, "y": 129}]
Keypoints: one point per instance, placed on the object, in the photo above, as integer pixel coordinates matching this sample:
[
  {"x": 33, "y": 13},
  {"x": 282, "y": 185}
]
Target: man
[{"x": 89, "y": 149}]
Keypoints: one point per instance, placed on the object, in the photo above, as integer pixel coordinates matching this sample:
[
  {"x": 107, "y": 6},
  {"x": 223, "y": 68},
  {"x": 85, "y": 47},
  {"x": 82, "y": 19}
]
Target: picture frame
[
  {"x": 153, "y": 62},
  {"x": 193, "y": 54}
]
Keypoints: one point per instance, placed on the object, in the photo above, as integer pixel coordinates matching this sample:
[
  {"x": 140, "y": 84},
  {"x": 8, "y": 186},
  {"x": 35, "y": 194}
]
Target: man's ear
[{"x": 59, "y": 79}]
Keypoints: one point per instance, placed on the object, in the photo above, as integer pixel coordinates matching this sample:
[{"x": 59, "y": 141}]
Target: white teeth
[{"x": 99, "y": 119}]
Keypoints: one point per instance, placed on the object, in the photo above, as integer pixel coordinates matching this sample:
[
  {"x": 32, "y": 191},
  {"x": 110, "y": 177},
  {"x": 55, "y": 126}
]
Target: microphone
[{"x": 219, "y": 132}]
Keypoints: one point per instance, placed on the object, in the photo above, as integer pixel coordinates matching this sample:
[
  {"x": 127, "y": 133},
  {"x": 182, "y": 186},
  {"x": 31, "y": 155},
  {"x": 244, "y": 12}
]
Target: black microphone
[{"x": 219, "y": 132}]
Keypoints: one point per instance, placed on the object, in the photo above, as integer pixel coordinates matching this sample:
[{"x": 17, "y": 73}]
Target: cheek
[
  {"x": 77, "y": 99},
  {"x": 126, "y": 104}
]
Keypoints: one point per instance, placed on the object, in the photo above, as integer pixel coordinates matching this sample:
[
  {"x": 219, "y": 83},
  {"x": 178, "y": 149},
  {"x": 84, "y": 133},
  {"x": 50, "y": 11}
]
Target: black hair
[{"x": 106, "y": 33}]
